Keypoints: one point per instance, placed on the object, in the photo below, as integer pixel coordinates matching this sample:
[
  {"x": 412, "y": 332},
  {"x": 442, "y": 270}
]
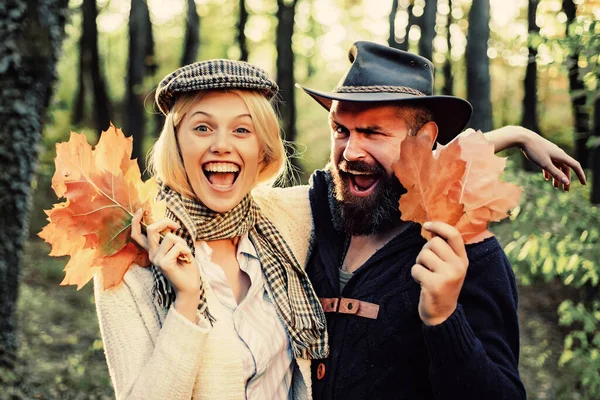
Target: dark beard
[{"x": 364, "y": 216}]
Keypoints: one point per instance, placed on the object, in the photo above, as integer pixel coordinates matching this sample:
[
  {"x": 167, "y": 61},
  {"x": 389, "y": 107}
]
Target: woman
[{"x": 225, "y": 311}]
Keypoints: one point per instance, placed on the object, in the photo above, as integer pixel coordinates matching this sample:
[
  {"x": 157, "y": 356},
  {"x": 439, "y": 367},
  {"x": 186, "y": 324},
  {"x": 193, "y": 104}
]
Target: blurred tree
[
  {"x": 403, "y": 44},
  {"x": 577, "y": 91},
  {"x": 392, "y": 42},
  {"x": 478, "y": 65},
  {"x": 529, "y": 117},
  {"x": 241, "y": 26},
  {"x": 89, "y": 69},
  {"x": 286, "y": 10},
  {"x": 140, "y": 64},
  {"x": 448, "y": 88},
  {"x": 596, "y": 152},
  {"x": 427, "y": 24},
  {"x": 191, "y": 42},
  {"x": 313, "y": 31},
  {"x": 32, "y": 33}
]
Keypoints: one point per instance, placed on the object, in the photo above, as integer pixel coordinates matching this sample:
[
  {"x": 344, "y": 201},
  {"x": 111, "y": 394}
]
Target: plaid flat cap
[{"x": 213, "y": 74}]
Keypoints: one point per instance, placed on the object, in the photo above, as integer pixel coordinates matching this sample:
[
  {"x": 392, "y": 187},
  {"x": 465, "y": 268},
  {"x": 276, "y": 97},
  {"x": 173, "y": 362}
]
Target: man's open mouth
[
  {"x": 221, "y": 174},
  {"x": 362, "y": 182}
]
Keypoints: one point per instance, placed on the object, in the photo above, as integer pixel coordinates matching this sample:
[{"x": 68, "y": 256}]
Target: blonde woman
[{"x": 225, "y": 311}]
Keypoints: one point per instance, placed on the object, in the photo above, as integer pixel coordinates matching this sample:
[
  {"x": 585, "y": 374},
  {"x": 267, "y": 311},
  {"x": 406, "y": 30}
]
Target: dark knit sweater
[{"x": 472, "y": 355}]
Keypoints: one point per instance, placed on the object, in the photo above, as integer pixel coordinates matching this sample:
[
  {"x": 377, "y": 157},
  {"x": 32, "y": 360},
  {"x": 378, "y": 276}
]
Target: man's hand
[{"x": 440, "y": 270}]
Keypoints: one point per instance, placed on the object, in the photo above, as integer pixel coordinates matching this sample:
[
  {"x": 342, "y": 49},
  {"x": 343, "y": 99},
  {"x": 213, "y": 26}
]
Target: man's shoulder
[{"x": 489, "y": 247}]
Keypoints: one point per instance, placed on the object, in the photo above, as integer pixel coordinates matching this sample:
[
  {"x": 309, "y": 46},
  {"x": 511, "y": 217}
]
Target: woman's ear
[{"x": 430, "y": 130}]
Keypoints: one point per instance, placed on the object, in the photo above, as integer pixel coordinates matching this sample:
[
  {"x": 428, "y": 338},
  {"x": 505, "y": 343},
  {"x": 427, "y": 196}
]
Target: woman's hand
[
  {"x": 171, "y": 255},
  {"x": 555, "y": 163}
]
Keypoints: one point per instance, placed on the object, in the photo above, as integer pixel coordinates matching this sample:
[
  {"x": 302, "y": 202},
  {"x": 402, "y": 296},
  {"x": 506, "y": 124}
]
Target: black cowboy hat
[{"x": 380, "y": 73}]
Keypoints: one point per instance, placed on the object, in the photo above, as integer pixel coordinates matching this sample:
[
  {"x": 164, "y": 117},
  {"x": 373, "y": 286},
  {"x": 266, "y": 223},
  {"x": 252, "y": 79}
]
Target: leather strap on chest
[{"x": 344, "y": 305}]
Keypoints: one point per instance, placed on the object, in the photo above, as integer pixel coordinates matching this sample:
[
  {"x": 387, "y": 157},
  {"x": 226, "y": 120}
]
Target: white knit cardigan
[{"x": 153, "y": 353}]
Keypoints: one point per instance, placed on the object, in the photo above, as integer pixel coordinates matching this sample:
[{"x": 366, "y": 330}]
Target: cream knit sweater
[{"x": 153, "y": 353}]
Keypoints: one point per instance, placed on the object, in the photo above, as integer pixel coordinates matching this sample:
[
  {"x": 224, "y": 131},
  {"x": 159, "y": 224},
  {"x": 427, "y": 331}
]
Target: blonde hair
[{"x": 164, "y": 159}]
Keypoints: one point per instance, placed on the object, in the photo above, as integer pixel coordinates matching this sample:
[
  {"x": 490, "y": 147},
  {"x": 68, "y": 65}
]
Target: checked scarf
[{"x": 294, "y": 298}]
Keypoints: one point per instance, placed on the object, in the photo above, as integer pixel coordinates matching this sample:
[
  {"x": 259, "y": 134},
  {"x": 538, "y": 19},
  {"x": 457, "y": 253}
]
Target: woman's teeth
[{"x": 221, "y": 174}]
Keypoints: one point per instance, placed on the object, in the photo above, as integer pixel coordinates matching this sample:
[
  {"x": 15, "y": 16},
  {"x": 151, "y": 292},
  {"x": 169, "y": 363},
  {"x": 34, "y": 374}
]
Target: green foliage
[
  {"x": 60, "y": 348},
  {"x": 555, "y": 237},
  {"x": 582, "y": 344}
]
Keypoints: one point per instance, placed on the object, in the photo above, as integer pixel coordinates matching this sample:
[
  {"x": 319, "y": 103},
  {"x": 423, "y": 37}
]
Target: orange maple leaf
[
  {"x": 486, "y": 198},
  {"x": 103, "y": 188},
  {"x": 431, "y": 180},
  {"x": 458, "y": 184}
]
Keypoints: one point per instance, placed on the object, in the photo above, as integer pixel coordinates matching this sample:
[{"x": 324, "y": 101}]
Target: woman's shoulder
[
  {"x": 289, "y": 210},
  {"x": 276, "y": 196},
  {"x": 135, "y": 288}
]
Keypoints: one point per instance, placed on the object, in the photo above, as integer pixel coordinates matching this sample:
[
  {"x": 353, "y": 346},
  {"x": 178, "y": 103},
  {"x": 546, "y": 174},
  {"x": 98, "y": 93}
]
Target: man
[{"x": 407, "y": 318}]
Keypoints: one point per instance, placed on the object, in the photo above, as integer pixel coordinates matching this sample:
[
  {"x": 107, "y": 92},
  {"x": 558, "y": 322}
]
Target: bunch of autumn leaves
[
  {"x": 458, "y": 184},
  {"x": 103, "y": 189}
]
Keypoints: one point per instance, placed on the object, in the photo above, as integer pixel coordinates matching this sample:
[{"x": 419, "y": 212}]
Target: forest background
[{"x": 79, "y": 64}]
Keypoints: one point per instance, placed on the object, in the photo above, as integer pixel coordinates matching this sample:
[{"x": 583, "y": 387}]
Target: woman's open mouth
[{"x": 221, "y": 175}]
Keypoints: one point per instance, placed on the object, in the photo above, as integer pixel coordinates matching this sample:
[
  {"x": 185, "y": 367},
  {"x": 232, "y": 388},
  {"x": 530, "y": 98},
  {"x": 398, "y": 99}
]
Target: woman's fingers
[
  {"x": 567, "y": 171},
  {"x": 154, "y": 230},
  {"x": 136, "y": 230},
  {"x": 572, "y": 163},
  {"x": 172, "y": 257}
]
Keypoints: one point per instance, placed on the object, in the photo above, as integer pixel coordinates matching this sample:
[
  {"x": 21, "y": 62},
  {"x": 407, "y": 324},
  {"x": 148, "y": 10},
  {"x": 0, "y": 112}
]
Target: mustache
[{"x": 360, "y": 167}]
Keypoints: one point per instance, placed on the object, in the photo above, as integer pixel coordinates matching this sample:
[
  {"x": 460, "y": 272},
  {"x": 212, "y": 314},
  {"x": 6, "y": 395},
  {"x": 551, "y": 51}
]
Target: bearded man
[{"x": 407, "y": 319}]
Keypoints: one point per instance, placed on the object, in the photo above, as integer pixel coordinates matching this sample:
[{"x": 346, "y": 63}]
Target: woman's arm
[
  {"x": 553, "y": 160},
  {"x": 147, "y": 360}
]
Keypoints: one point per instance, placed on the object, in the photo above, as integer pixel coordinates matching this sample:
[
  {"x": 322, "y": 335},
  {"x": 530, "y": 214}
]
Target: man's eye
[
  {"x": 201, "y": 128},
  {"x": 340, "y": 130}
]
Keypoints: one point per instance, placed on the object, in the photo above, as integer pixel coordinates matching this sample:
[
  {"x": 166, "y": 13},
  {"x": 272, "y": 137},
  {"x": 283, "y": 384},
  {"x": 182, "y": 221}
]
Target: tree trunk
[
  {"x": 140, "y": 64},
  {"x": 529, "y": 118},
  {"x": 577, "y": 92},
  {"x": 428, "y": 29},
  {"x": 392, "y": 35},
  {"x": 596, "y": 154},
  {"x": 478, "y": 65},
  {"x": 241, "y": 35},
  {"x": 192, "y": 34},
  {"x": 448, "y": 88},
  {"x": 32, "y": 33},
  {"x": 285, "y": 74},
  {"x": 89, "y": 65}
]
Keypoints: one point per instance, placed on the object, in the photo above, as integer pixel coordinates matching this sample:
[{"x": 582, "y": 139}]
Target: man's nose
[
  {"x": 354, "y": 148},
  {"x": 221, "y": 142}
]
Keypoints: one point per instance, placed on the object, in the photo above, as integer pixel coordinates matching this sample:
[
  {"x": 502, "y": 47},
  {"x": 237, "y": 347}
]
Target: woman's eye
[
  {"x": 201, "y": 128},
  {"x": 242, "y": 130}
]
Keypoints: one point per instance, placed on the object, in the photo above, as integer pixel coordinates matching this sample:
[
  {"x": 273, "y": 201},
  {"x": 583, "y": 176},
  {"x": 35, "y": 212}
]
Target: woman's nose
[{"x": 221, "y": 142}]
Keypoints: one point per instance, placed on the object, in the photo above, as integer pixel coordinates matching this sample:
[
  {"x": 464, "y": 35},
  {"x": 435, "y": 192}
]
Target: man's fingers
[
  {"x": 440, "y": 248},
  {"x": 450, "y": 234},
  {"x": 420, "y": 274},
  {"x": 428, "y": 259}
]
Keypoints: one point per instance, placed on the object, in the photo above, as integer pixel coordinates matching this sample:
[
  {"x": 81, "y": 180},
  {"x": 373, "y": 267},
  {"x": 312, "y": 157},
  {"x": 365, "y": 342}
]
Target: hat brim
[{"x": 451, "y": 114}]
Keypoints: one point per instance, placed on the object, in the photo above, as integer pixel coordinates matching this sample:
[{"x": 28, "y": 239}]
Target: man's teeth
[
  {"x": 357, "y": 173},
  {"x": 221, "y": 167}
]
